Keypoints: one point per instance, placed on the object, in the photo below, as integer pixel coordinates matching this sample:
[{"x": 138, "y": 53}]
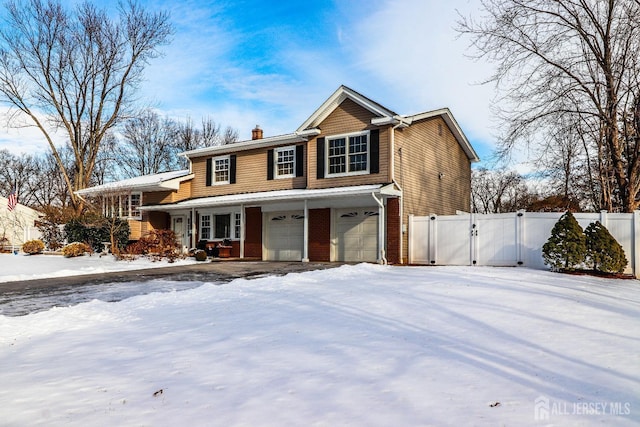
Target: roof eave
[
  {"x": 342, "y": 93},
  {"x": 272, "y": 196},
  {"x": 291, "y": 138}
]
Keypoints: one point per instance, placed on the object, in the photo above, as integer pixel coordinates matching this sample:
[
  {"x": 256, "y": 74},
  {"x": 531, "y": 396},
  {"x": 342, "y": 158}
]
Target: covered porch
[{"x": 335, "y": 224}]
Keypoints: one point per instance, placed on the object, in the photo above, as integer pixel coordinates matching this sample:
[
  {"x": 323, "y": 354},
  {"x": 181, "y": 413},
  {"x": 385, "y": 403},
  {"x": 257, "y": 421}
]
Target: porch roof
[
  {"x": 280, "y": 196},
  {"x": 156, "y": 182}
]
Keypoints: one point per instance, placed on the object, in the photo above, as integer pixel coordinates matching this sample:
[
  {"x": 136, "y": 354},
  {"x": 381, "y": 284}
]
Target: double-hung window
[
  {"x": 285, "y": 162},
  {"x": 348, "y": 154},
  {"x": 205, "y": 227},
  {"x": 221, "y": 170}
]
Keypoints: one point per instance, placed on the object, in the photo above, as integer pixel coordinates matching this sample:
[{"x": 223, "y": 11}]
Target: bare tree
[
  {"x": 148, "y": 145},
  {"x": 190, "y": 138},
  {"x": 210, "y": 134},
  {"x": 498, "y": 191},
  {"x": 52, "y": 190},
  {"x": 17, "y": 172},
  {"x": 76, "y": 71},
  {"x": 574, "y": 58}
]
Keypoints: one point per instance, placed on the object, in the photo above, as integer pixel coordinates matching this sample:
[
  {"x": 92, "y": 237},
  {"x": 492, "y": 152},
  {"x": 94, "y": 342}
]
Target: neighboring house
[
  {"x": 339, "y": 188},
  {"x": 17, "y": 226}
]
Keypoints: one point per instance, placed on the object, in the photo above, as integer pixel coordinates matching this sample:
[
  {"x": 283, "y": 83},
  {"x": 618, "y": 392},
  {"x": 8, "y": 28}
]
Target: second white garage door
[
  {"x": 356, "y": 235},
  {"x": 284, "y": 236}
]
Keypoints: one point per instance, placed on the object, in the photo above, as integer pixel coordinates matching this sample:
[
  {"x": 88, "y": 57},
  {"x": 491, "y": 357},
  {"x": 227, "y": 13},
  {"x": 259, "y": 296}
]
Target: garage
[
  {"x": 284, "y": 236},
  {"x": 356, "y": 235}
]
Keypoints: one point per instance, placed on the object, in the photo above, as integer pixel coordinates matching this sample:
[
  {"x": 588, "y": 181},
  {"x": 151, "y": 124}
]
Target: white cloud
[
  {"x": 20, "y": 136},
  {"x": 412, "y": 46}
]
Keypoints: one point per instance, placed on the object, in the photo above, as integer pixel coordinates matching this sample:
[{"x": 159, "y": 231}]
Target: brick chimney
[{"x": 256, "y": 133}]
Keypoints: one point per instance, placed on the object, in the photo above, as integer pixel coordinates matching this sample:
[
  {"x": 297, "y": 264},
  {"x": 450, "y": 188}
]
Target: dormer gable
[{"x": 334, "y": 101}]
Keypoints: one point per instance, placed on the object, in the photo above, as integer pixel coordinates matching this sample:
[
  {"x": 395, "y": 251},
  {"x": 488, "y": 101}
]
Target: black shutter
[
  {"x": 232, "y": 169},
  {"x": 374, "y": 151},
  {"x": 299, "y": 160},
  {"x": 320, "y": 158},
  {"x": 208, "y": 174},
  {"x": 269, "y": 164}
]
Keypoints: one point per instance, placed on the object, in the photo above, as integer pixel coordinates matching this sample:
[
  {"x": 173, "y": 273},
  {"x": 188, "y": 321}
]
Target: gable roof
[
  {"x": 455, "y": 128},
  {"x": 386, "y": 117},
  {"x": 154, "y": 182},
  {"x": 342, "y": 93}
]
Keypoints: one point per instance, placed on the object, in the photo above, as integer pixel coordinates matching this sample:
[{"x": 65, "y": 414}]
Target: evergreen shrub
[
  {"x": 566, "y": 248},
  {"x": 604, "y": 253},
  {"x": 94, "y": 231},
  {"x": 200, "y": 255}
]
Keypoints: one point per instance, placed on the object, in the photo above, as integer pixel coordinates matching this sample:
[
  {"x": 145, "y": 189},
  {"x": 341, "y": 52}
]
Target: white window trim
[
  {"x": 275, "y": 162},
  {"x": 139, "y": 216},
  {"x": 114, "y": 205},
  {"x": 346, "y": 136},
  {"x": 212, "y": 225},
  {"x": 213, "y": 170}
]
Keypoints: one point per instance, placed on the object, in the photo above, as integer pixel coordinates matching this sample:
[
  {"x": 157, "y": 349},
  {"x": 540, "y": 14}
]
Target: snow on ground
[
  {"x": 362, "y": 345},
  {"x": 28, "y": 267}
]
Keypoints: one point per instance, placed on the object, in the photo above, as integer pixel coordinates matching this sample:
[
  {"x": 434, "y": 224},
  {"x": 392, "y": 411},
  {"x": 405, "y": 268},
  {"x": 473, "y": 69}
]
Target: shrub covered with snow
[
  {"x": 200, "y": 255},
  {"x": 75, "y": 249}
]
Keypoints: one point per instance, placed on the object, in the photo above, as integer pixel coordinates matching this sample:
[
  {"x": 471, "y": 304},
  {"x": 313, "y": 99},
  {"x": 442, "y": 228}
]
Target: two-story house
[{"x": 339, "y": 188}]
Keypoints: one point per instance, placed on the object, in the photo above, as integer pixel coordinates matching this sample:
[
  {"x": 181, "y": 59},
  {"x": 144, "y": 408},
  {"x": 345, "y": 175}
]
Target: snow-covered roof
[
  {"x": 290, "y": 138},
  {"x": 155, "y": 182},
  {"x": 279, "y": 196}
]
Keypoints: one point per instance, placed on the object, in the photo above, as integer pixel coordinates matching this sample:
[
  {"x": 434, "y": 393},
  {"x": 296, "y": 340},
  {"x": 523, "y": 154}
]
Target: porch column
[
  {"x": 242, "y": 228},
  {"x": 193, "y": 227},
  {"x": 305, "y": 244}
]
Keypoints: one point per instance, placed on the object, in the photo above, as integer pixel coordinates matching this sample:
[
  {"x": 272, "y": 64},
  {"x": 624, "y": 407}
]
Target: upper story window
[
  {"x": 285, "y": 162},
  {"x": 221, "y": 170},
  {"x": 348, "y": 154}
]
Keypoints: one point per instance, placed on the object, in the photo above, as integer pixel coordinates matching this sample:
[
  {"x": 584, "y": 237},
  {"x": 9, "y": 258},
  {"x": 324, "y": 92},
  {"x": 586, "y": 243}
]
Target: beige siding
[
  {"x": 184, "y": 191},
  {"x": 135, "y": 228},
  {"x": 157, "y": 197},
  {"x": 348, "y": 117},
  {"x": 251, "y": 176},
  {"x": 424, "y": 151}
]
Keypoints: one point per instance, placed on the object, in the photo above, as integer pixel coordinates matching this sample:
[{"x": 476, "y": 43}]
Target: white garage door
[
  {"x": 284, "y": 236},
  {"x": 356, "y": 235}
]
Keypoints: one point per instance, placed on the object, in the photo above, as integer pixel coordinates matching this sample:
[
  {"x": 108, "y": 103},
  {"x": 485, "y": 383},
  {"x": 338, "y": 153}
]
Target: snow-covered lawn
[
  {"x": 362, "y": 345},
  {"x": 27, "y": 267}
]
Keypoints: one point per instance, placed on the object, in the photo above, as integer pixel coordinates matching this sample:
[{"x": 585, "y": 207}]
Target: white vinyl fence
[{"x": 510, "y": 239}]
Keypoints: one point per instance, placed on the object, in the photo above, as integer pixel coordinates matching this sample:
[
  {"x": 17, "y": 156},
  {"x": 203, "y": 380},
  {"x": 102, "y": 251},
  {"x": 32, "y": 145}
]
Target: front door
[{"x": 179, "y": 226}]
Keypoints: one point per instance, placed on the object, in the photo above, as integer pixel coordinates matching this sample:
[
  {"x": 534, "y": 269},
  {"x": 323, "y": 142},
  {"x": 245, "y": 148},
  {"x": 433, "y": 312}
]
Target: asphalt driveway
[{"x": 29, "y": 296}]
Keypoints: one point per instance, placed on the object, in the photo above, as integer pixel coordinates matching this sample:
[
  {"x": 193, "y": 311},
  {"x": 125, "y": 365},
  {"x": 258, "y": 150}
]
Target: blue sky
[{"x": 272, "y": 63}]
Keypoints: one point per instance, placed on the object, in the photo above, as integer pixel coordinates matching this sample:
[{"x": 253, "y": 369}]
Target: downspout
[
  {"x": 242, "y": 231},
  {"x": 393, "y": 179},
  {"x": 381, "y": 223},
  {"x": 305, "y": 238}
]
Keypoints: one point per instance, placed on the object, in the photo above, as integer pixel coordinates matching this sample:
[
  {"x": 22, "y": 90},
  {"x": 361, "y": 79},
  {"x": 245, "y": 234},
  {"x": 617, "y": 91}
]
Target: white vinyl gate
[{"x": 510, "y": 239}]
